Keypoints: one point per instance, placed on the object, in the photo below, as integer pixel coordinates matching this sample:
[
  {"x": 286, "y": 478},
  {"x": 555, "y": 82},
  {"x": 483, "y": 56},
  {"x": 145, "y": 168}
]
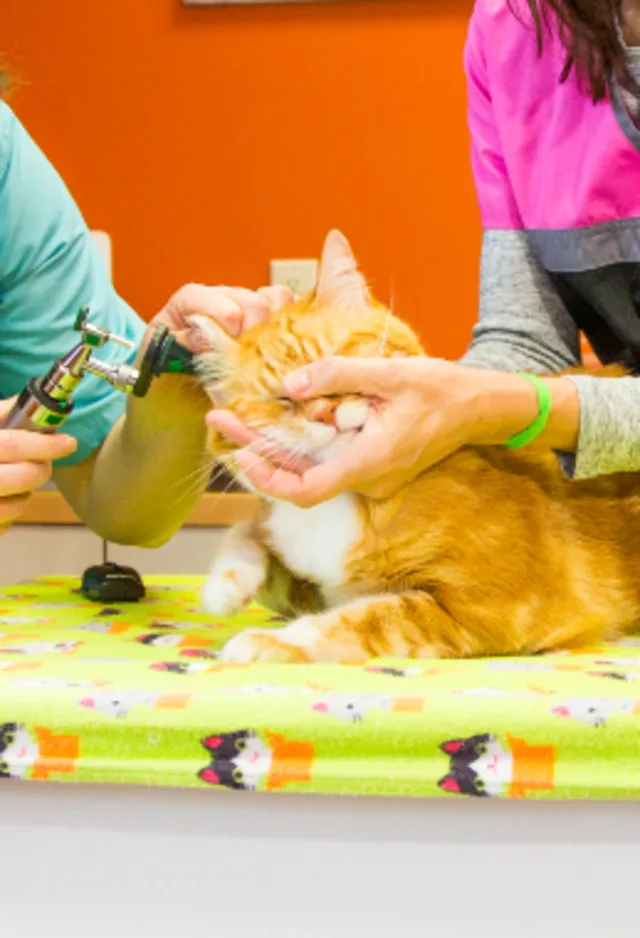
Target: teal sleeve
[{"x": 49, "y": 268}]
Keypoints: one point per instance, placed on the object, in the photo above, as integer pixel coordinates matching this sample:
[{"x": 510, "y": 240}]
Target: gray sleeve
[
  {"x": 523, "y": 326},
  {"x": 609, "y": 439}
]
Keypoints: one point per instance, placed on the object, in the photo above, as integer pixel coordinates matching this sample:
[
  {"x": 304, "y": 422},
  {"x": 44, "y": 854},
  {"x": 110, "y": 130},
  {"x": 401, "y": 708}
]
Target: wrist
[{"x": 506, "y": 404}]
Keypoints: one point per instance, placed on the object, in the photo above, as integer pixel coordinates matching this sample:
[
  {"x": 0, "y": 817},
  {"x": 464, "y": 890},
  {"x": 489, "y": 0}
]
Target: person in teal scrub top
[{"x": 124, "y": 464}]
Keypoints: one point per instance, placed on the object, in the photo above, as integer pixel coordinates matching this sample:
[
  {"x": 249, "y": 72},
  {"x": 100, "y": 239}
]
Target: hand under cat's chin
[{"x": 335, "y": 448}]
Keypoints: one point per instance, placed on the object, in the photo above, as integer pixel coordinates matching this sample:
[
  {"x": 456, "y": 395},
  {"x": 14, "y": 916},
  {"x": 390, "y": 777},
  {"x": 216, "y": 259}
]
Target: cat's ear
[
  {"x": 339, "y": 281},
  {"x": 452, "y": 746},
  {"x": 209, "y": 776},
  {"x": 449, "y": 783}
]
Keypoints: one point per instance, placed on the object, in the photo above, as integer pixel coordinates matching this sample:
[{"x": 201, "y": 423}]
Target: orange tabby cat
[{"x": 490, "y": 552}]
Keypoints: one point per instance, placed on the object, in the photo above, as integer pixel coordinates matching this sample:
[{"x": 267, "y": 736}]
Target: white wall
[{"x": 28, "y": 551}]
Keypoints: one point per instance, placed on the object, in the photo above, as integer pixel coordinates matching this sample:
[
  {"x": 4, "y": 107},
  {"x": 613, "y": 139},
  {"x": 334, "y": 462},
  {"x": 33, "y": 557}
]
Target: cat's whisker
[
  {"x": 192, "y": 490},
  {"x": 195, "y": 481},
  {"x": 225, "y": 489},
  {"x": 200, "y": 471},
  {"x": 277, "y": 451},
  {"x": 268, "y": 448}
]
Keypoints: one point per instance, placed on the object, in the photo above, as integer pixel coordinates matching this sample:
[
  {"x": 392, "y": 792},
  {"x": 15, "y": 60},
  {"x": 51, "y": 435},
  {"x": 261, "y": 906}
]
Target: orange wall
[{"x": 207, "y": 140}]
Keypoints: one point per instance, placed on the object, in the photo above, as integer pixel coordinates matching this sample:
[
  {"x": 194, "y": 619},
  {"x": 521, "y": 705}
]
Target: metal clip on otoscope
[{"x": 46, "y": 402}]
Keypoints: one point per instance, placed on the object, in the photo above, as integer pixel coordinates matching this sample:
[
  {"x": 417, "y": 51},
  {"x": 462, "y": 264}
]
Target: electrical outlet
[{"x": 300, "y": 275}]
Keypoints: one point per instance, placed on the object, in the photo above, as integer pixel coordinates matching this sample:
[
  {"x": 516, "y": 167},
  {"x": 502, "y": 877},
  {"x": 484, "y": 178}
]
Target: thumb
[
  {"x": 6, "y": 406},
  {"x": 337, "y": 375}
]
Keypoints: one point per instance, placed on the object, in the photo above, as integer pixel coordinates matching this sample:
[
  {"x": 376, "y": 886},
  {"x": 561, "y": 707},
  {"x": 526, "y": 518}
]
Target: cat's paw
[
  {"x": 262, "y": 645},
  {"x": 230, "y": 587}
]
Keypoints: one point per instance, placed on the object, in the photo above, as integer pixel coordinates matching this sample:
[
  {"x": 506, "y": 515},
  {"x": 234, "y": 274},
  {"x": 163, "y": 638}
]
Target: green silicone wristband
[{"x": 532, "y": 432}]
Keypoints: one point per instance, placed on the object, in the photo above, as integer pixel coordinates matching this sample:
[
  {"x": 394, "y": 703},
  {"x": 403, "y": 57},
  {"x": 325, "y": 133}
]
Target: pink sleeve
[{"x": 498, "y": 207}]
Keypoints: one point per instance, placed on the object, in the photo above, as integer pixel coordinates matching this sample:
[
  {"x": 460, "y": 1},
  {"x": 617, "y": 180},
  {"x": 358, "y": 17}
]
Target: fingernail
[
  {"x": 299, "y": 382},
  {"x": 69, "y": 440}
]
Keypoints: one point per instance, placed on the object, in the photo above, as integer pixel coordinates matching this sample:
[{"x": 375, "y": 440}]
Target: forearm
[
  {"x": 594, "y": 424},
  {"x": 139, "y": 487}
]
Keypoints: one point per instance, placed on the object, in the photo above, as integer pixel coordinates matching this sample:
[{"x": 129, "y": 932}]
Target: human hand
[
  {"x": 422, "y": 410},
  {"x": 25, "y": 465},
  {"x": 233, "y": 308}
]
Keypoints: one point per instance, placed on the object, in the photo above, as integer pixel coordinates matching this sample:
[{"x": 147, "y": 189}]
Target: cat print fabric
[
  {"x": 35, "y": 754},
  {"x": 112, "y": 705},
  {"x": 482, "y": 766},
  {"x": 245, "y": 761}
]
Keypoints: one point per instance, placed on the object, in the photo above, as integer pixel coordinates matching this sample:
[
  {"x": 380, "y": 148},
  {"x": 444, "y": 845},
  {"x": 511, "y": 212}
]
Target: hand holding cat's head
[{"x": 247, "y": 376}]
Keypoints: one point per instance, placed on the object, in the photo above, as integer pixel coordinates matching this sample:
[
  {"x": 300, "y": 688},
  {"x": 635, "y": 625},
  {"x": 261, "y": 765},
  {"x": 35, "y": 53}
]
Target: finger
[
  {"x": 276, "y": 296},
  {"x": 6, "y": 407},
  {"x": 255, "y": 307},
  {"x": 282, "y": 458},
  {"x": 230, "y": 426},
  {"x": 372, "y": 376},
  {"x": 21, "y": 477},
  {"x": 271, "y": 480},
  {"x": 11, "y": 509},
  {"x": 233, "y": 429},
  {"x": 218, "y": 303},
  {"x": 22, "y": 445},
  {"x": 317, "y": 485}
]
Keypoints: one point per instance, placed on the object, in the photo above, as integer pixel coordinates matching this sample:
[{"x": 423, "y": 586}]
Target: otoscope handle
[{"x": 35, "y": 410}]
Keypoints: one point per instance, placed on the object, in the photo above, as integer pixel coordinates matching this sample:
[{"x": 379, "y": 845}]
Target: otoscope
[{"x": 46, "y": 402}]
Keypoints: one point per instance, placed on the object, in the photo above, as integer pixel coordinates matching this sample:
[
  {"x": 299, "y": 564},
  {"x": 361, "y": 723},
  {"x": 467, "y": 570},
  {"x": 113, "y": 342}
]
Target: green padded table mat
[{"x": 135, "y": 695}]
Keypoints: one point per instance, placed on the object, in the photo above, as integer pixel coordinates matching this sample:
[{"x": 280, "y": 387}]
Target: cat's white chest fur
[{"x": 315, "y": 542}]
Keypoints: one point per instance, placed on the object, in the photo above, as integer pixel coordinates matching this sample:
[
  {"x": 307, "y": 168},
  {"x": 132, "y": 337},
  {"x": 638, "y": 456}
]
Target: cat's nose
[{"x": 322, "y": 410}]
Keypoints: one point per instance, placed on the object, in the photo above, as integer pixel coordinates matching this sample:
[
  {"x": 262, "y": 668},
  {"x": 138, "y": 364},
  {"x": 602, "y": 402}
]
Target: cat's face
[
  {"x": 238, "y": 760},
  {"x": 479, "y": 766},
  {"x": 339, "y": 318},
  {"x": 350, "y": 708},
  {"x": 179, "y": 667},
  {"x": 42, "y": 648},
  {"x": 592, "y": 712},
  {"x": 117, "y": 705},
  {"x": 18, "y": 750},
  {"x": 160, "y": 640}
]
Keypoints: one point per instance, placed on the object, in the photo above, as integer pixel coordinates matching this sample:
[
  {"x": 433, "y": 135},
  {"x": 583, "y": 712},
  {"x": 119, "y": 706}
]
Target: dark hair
[{"x": 589, "y": 31}]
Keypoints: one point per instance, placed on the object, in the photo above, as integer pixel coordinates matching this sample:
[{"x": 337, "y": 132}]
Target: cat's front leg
[
  {"x": 238, "y": 572},
  {"x": 404, "y": 625}
]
